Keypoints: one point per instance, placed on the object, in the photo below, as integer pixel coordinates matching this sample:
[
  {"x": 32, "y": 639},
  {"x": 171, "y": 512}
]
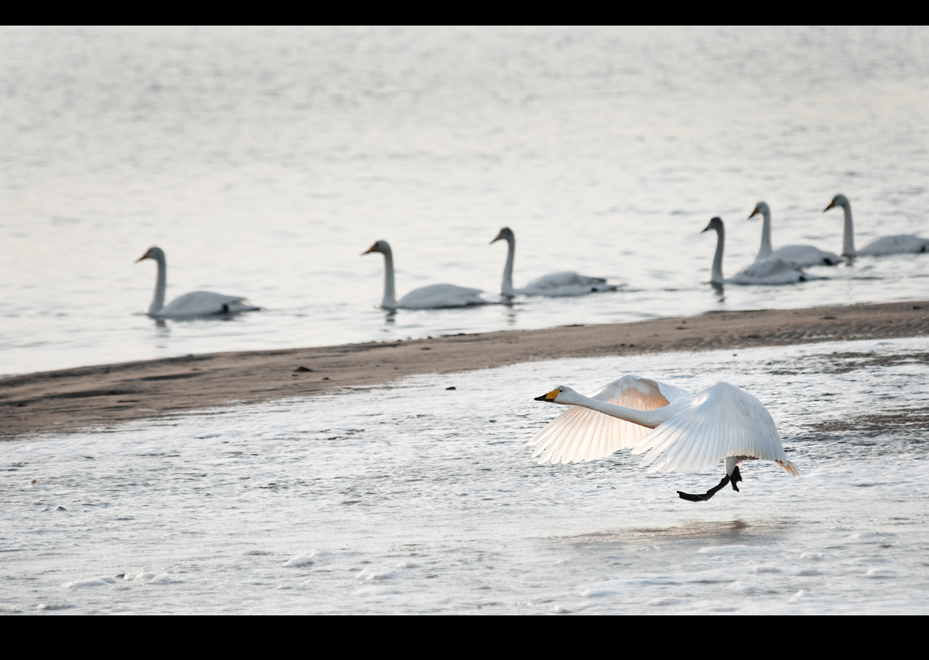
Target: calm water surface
[{"x": 265, "y": 160}]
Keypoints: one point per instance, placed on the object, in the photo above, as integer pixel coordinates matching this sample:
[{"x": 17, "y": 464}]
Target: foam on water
[{"x": 414, "y": 498}]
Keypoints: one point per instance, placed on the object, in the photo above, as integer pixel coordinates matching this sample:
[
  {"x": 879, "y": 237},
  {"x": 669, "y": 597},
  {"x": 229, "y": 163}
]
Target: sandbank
[{"x": 101, "y": 396}]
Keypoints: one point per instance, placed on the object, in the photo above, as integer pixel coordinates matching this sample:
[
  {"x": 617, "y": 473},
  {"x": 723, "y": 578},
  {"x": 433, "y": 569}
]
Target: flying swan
[
  {"x": 553, "y": 285},
  {"x": 196, "y": 303},
  {"x": 428, "y": 297},
  {"x": 898, "y": 244},
  {"x": 675, "y": 431},
  {"x": 769, "y": 271},
  {"x": 800, "y": 256}
]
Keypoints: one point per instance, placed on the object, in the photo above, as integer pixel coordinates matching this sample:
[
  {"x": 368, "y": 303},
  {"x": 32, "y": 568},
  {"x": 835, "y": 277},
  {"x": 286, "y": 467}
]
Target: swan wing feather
[
  {"x": 721, "y": 421},
  {"x": 580, "y": 434},
  {"x": 771, "y": 271},
  {"x": 803, "y": 256},
  {"x": 204, "y": 303},
  {"x": 565, "y": 284},
  {"x": 441, "y": 295},
  {"x": 898, "y": 244}
]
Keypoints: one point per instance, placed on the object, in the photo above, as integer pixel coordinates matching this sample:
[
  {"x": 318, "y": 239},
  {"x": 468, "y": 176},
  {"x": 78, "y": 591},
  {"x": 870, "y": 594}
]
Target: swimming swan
[
  {"x": 196, "y": 303},
  {"x": 675, "y": 431},
  {"x": 769, "y": 271},
  {"x": 800, "y": 256},
  {"x": 898, "y": 244},
  {"x": 553, "y": 285},
  {"x": 428, "y": 297}
]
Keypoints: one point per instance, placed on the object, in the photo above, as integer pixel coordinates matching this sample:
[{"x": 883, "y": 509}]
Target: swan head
[
  {"x": 379, "y": 246},
  {"x": 762, "y": 208},
  {"x": 715, "y": 223},
  {"x": 505, "y": 234},
  {"x": 561, "y": 394},
  {"x": 155, "y": 253},
  {"x": 838, "y": 200}
]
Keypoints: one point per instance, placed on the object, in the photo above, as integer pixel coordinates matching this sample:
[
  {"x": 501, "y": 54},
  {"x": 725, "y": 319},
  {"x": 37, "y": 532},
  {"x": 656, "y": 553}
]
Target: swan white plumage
[
  {"x": 800, "y": 256},
  {"x": 196, "y": 303},
  {"x": 769, "y": 271},
  {"x": 552, "y": 285},
  {"x": 675, "y": 431},
  {"x": 897, "y": 244},
  {"x": 433, "y": 296}
]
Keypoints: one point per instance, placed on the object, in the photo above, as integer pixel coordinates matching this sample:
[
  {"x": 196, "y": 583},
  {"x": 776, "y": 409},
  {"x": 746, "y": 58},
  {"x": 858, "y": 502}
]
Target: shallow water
[
  {"x": 265, "y": 160},
  {"x": 414, "y": 498}
]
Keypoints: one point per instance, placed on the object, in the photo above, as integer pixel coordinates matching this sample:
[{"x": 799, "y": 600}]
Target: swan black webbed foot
[
  {"x": 712, "y": 491},
  {"x": 735, "y": 478}
]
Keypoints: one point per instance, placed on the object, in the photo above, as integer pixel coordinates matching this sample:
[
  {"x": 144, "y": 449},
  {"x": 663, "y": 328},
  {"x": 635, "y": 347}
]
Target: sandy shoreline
[{"x": 94, "y": 396}]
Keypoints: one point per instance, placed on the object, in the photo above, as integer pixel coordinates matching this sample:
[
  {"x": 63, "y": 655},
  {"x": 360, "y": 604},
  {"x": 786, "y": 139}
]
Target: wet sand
[{"x": 100, "y": 396}]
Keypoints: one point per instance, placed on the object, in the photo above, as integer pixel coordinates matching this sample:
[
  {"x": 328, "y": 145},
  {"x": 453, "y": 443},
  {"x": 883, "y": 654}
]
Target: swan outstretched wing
[
  {"x": 721, "y": 421},
  {"x": 581, "y": 434}
]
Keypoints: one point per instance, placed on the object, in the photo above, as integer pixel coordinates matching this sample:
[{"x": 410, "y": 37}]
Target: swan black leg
[
  {"x": 735, "y": 478},
  {"x": 708, "y": 494}
]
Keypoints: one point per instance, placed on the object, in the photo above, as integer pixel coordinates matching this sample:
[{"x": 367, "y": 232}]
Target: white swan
[
  {"x": 196, "y": 303},
  {"x": 800, "y": 256},
  {"x": 769, "y": 271},
  {"x": 428, "y": 297},
  {"x": 553, "y": 285},
  {"x": 674, "y": 430},
  {"x": 897, "y": 244}
]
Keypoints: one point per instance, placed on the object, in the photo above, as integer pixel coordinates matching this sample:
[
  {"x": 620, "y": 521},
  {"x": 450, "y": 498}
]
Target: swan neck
[
  {"x": 765, "y": 251},
  {"x": 506, "y": 287},
  {"x": 647, "y": 418},
  {"x": 848, "y": 235},
  {"x": 716, "y": 274},
  {"x": 390, "y": 296},
  {"x": 158, "y": 301}
]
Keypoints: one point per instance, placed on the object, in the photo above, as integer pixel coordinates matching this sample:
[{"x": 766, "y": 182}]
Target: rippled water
[
  {"x": 265, "y": 160},
  {"x": 419, "y": 499}
]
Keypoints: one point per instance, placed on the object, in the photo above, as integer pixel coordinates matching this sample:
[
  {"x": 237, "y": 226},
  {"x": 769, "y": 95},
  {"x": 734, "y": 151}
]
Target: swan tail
[{"x": 790, "y": 467}]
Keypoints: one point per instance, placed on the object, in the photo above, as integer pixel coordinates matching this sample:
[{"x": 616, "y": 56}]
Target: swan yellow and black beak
[
  {"x": 144, "y": 256},
  {"x": 754, "y": 213},
  {"x": 498, "y": 238},
  {"x": 831, "y": 205},
  {"x": 371, "y": 249},
  {"x": 549, "y": 396}
]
